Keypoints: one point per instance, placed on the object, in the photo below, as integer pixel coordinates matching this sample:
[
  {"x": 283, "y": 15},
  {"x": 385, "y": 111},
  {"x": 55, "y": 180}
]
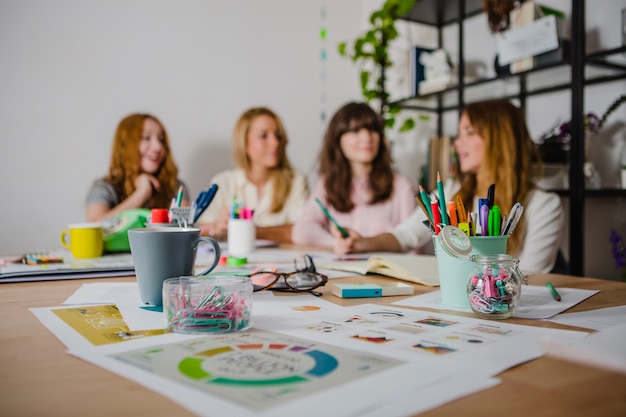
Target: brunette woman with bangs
[
  {"x": 494, "y": 147},
  {"x": 357, "y": 182},
  {"x": 263, "y": 180},
  {"x": 142, "y": 172}
]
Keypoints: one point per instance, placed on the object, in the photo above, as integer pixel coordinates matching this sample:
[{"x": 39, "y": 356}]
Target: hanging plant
[{"x": 371, "y": 51}]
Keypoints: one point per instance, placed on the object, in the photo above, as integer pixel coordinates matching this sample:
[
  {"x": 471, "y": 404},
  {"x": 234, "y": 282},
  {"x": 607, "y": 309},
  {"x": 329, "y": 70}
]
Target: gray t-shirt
[{"x": 103, "y": 192}]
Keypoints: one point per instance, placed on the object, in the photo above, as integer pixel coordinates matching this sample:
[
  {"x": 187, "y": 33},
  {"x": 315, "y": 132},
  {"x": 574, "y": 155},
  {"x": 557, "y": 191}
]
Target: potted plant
[
  {"x": 554, "y": 146},
  {"x": 371, "y": 50}
]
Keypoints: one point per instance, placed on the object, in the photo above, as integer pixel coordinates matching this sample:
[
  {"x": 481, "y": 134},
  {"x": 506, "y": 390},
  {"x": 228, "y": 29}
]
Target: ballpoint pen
[
  {"x": 513, "y": 219},
  {"x": 329, "y": 217}
]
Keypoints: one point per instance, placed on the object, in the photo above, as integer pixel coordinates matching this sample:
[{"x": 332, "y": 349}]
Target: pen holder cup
[
  {"x": 211, "y": 304},
  {"x": 455, "y": 269},
  {"x": 494, "y": 286},
  {"x": 241, "y": 237}
]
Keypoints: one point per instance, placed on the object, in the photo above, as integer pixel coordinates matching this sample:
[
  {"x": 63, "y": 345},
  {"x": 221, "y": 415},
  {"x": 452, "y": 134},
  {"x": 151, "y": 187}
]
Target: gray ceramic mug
[{"x": 162, "y": 253}]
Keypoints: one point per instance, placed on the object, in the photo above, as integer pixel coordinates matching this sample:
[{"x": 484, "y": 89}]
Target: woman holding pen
[
  {"x": 494, "y": 147},
  {"x": 142, "y": 171},
  {"x": 357, "y": 187},
  {"x": 263, "y": 180}
]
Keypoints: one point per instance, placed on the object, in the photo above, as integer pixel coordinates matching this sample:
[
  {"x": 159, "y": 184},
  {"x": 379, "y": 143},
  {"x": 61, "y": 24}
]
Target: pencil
[
  {"x": 426, "y": 201},
  {"x": 442, "y": 201},
  {"x": 179, "y": 196},
  {"x": 553, "y": 291},
  {"x": 420, "y": 203}
]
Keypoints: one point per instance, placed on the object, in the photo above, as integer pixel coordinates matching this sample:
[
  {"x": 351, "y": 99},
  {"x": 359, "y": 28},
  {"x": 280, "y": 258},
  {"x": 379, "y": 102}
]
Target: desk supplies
[
  {"x": 329, "y": 217},
  {"x": 426, "y": 201},
  {"x": 491, "y": 195},
  {"x": 442, "y": 201},
  {"x": 217, "y": 304},
  {"x": 370, "y": 290},
  {"x": 203, "y": 201},
  {"x": 116, "y": 228},
  {"x": 421, "y": 269},
  {"x": 494, "y": 221},
  {"x": 179, "y": 196},
  {"x": 164, "y": 252},
  {"x": 437, "y": 221},
  {"x": 553, "y": 291},
  {"x": 513, "y": 219},
  {"x": 71, "y": 268},
  {"x": 40, "y": 258}
]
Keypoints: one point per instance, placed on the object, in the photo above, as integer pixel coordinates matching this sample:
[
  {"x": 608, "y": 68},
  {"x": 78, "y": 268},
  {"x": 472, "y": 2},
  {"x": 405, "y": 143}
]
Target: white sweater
[{"x": 541, "y": 240}]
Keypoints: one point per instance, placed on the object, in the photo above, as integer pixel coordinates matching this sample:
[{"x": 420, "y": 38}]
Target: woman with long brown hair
[
  {"x": 357, "y": 183},
  {"x": 494, "y": 147},
  {"x": 142, "y": 171}
]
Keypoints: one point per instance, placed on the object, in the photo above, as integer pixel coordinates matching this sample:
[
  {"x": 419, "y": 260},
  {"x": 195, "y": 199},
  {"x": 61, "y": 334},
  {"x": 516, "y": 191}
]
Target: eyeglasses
[{"x": 305, "y": 279}]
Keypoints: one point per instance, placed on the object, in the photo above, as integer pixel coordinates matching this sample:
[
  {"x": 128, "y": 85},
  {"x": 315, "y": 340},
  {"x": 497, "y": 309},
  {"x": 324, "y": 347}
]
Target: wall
[{"x": 71, "y": 69}]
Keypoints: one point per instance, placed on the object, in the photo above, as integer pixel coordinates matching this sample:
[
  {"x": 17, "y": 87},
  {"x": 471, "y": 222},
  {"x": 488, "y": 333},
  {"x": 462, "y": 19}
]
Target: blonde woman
[
  {"x": 494, "y": 147},
  {"x": 263, "y": 180},
  {"x": 142, "y": 172}
]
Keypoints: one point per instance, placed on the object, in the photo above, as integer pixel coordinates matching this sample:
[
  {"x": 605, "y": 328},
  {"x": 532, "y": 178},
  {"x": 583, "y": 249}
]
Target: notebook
[
  {"x": 106, "y": 266},
  {"x": 421, "y": 269}
]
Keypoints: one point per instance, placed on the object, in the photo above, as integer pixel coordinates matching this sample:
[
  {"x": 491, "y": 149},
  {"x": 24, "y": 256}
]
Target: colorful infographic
[{"x": 257, "y": 369}]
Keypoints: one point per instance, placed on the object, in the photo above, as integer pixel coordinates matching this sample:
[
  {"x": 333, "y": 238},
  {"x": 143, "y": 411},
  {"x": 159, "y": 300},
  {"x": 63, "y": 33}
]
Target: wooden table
[{"x": 39, "y": 379}]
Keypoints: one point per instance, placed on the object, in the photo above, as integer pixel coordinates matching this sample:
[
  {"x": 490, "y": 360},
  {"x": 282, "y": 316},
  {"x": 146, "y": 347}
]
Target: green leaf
[
  {"x": 365, "y": 77},
  {"x": 407, "y": 125},
  {"x": 341, "y": 48}
]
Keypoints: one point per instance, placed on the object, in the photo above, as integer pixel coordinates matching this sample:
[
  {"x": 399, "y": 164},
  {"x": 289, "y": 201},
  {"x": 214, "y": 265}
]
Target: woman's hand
[
  {"x": 145, "y": 185},
  {"x": 344, "y": 245}
]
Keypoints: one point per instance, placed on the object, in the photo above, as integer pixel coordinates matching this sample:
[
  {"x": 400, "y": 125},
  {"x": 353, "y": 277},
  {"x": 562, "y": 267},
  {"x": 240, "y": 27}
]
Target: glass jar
[{"x": 495, "y": 286}]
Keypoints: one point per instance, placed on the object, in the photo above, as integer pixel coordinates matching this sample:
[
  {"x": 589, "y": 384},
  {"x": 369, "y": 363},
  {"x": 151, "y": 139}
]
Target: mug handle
[
  {"x": 216, "y": 248},
  {"x": 62, "y": 237}
]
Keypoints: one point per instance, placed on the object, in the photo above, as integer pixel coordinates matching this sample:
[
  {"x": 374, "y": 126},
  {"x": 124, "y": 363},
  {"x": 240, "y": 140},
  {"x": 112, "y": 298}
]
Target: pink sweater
[{"x": 312, "y": 227}]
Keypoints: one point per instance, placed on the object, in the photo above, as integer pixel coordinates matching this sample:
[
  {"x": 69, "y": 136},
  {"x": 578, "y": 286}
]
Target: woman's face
[
  {"x": 263, "y": 143},
  {"x": 151, "y": 149},
  {"x": 360, "y": 147},
  {"x": 469, "y": 146}
]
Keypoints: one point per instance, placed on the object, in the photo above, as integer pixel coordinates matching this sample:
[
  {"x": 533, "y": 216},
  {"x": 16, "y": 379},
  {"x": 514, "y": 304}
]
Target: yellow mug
[{"x": 86, "y": 239}]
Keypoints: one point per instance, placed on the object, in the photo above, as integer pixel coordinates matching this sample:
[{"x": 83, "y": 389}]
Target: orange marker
[{"x": 452, "y": 214}]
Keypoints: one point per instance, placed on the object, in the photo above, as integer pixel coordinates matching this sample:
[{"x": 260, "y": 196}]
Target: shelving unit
[{"x": 573, "y": 74}]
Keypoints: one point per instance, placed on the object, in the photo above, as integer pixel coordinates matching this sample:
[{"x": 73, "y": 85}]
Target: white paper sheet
[
  {"x": 536, "y": 302},
  {"x": 600, "y": 319}
]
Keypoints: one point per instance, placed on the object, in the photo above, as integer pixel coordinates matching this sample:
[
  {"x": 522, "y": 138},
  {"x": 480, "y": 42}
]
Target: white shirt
[
  {"x": 234, "y": 182},
  {"x": 540, "y": 242}
]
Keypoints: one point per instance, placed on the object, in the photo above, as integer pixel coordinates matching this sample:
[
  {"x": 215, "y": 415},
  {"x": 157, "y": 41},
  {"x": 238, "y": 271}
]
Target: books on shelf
[{"x": 420, "y": 269}]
